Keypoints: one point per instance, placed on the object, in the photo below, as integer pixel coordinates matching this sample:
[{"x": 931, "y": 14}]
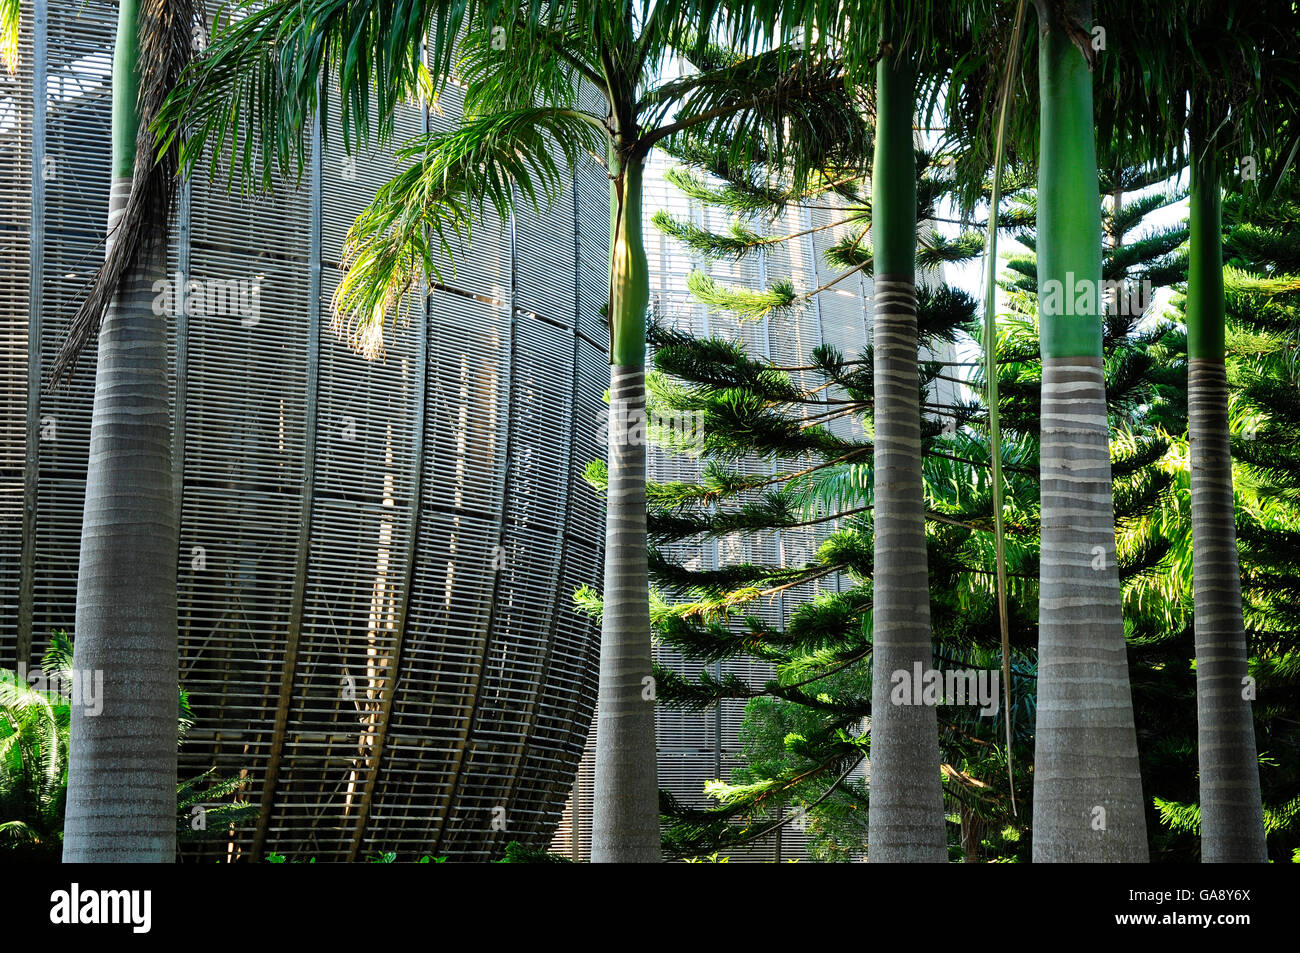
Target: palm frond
[
  {"x": 525, "y": 61},
  {"x": 794, "y": 113},
  {"x": 9, "y": 25},
  {"x": 57, "y": 661},
  {"x": 18, "y": 832},
  {"x": 251, "y": 98},
  {"x": 1235, "y": 64},
  {"x": 699, "y": 32},
  {"x": 455, "y": 177}
]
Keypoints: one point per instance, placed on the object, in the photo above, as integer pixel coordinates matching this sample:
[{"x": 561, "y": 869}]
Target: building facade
[{"x": 377, "y": 557}]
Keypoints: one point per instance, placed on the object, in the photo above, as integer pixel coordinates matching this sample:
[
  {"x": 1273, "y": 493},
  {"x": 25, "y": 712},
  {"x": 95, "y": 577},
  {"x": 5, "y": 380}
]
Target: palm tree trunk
[
  {"x": 906, "y": 822},
  {"x": 122, "y": 760},
  {"x": 1088, "y": 803},
  {"x": 625, "y": 815},
  {"x": 1232, "y": 818}
]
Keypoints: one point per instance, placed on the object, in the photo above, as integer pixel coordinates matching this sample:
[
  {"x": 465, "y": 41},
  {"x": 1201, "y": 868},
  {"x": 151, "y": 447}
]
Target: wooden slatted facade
[{"x": 377, "y": 558}]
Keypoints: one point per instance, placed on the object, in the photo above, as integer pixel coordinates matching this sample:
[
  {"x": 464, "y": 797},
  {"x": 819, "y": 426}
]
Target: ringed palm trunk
[
  {"x": 1232, "y": 818},
  {"x": 625, "y": 815},
  {"x": 906, "y": 819},
  {"x": 121, "y": 803},
  {"x": 1088, "y": 803}
]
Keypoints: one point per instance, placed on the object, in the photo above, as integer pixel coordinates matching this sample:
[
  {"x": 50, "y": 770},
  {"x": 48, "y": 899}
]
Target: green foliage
[
  {"x": 1261, "y": 301},
  {"x": 204, "y": 811},
  {"x": 379, "y": 857},
  {"x": 33, "y": 768},
  {"x": 252, "y": 97},
  {"x": 9, "y": 23},
  {"x": 802, "y": 732},
  {"x": 743, "y": 197},
  {"x": 1263, "y": 292},
  {"x": 736, "y": 243},
  {"x": 428, "y": 207},
  {"x": 782, "y": 108},
  {"x": 748, "y": 304},
  {"x": 34, "y": 732},
  {"x": 517, "y": 853}
]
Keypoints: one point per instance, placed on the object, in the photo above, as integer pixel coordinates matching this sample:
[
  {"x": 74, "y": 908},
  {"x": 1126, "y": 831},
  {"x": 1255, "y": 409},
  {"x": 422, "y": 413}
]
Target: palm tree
[
  {"x": 1088, "y": 803},
  {"x": 921, "y": 52},
  {"x": 1232, "y": 821},
  {"x": 523, "y": 68},
  {"x": 1240, "y": 83},
  {"x": 907, "y": 820},
  {"x": 121, "y": 802},
  {"x": 1232, "y": 811}
]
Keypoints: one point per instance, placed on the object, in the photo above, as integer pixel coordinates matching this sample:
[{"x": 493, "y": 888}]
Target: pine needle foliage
[{"x": 804, "y": 726}]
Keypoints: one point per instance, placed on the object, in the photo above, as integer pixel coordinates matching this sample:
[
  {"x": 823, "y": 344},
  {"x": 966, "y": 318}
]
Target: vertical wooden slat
[
  {"x": 475, "y": 688},
  {"x": 184, "y": 210},
  {"x": 563, "y": 510},
  {"x": 276, "y": 753},
  {"x": 407, "y": 584},
  {"x": 36, "y": 305}
]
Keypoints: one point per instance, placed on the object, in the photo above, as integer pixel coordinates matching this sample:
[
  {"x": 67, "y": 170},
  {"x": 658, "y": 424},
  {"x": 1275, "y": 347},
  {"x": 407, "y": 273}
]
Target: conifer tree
[{"x": 803, "y": 732}]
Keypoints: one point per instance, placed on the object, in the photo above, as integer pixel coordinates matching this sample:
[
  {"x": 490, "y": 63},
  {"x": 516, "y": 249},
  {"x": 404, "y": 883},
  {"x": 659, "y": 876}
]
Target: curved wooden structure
[{"x": 377, "y": 559}]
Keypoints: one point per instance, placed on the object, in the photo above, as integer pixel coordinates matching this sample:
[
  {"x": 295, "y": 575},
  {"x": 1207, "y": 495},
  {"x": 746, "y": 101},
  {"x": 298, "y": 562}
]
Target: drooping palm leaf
[
  {"x": 527, "y": 62},
  {"x": 9, "y": 22},
  {"x": 455, "y": 176},
  {"x": 251, "y": 98}
]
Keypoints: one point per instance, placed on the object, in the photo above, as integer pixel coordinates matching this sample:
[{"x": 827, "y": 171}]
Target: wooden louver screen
[{"x": 376, "y": 557}]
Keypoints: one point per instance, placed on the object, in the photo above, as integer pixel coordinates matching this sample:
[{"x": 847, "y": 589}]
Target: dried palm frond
[{"x": 167, "y": 45}]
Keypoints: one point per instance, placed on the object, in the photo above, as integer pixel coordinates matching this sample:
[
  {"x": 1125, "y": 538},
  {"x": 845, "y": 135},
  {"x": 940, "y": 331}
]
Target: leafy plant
[{"x": 34, "y": 734}]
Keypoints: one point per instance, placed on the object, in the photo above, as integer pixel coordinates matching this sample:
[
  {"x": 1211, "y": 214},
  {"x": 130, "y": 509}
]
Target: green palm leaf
[
  {"x": 9, "y": 17},
  {"x": 253, "y": 94},
  {"x": 456, "y": 175}
]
